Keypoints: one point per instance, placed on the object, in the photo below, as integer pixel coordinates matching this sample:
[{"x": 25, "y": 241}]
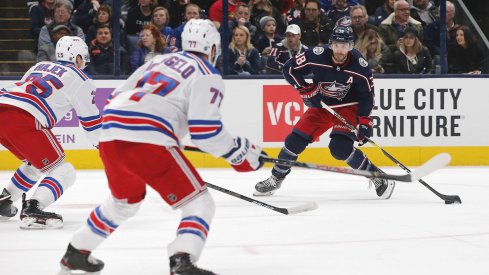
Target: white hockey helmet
[
  {"x": 69, "y": 47},
  {"x": 200, "y": 35}
]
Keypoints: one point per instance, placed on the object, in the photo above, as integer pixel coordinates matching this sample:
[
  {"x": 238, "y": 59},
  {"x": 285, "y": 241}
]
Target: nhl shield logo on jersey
[
  {"x": 333, "y": 89},
  {"x": 318, "y": 50},
  {"x": 363, "y": 62}
]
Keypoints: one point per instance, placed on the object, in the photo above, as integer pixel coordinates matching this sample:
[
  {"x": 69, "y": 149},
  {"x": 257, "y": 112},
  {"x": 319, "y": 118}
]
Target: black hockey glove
[
  {"x": 365, "y": 130},
  {"x": 310, "y": 95}
]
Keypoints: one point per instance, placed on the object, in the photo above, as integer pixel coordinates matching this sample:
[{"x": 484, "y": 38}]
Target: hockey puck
[{"x": 449, "y": 202}]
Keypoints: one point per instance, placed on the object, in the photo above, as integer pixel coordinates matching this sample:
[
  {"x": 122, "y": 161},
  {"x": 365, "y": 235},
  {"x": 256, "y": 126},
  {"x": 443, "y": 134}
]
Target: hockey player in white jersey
[
  {"x": 143, "y": 124},
  {"x": 28, "y": 111}
]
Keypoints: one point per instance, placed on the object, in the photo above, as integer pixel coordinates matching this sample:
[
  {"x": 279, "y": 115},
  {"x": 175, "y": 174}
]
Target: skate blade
[
  {"x": 264, "y": 194},
  {"x": 388, "y": 192},
  {"x": 65, "y": 271},
  {"x": 30, "y": 223}
]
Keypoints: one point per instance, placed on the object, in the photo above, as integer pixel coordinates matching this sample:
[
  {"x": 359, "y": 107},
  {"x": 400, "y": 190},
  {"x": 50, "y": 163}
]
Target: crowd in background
[{"x": 394, "y": 36}]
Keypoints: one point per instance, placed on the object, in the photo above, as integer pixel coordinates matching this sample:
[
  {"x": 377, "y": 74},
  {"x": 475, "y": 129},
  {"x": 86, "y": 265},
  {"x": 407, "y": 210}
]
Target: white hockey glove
[{"x": 245, "y": 156}]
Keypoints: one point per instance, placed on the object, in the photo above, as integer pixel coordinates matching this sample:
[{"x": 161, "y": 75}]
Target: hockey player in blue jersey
[{"x": 343, "y": 80}]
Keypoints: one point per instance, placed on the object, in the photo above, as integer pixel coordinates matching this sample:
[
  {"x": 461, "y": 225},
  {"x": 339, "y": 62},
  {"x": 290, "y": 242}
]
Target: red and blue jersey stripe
[
  {"x": 81, "y": 73},
  {"x": 99, "y": 224},
  {"x": 137, "y": 121},
  {"x": 204, "y": 129},
  {"x": 194, "y": 225},
  {"x": 91, "y": 123},
  {"x": 37, "y": 102},
  {"x": 205, "y": 67},
  {"x": 22, "y": 182},
  {"x": 53, "y": 185}
]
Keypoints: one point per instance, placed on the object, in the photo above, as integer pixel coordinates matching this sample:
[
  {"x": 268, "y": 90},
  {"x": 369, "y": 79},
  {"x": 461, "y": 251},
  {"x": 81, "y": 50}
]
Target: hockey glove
[
  {"x": 244, "y": 156},
  {"x": 310, "y": 95},
  {"x": 365, "y": 131}
]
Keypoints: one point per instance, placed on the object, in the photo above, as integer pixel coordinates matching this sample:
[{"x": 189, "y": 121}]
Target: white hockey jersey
[
  {"x": 166, "y": 98},
  {"x": 50, "y": 89}
]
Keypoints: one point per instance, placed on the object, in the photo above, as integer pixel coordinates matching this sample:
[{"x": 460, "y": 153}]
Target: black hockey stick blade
[{"x": 284, "y": 210}]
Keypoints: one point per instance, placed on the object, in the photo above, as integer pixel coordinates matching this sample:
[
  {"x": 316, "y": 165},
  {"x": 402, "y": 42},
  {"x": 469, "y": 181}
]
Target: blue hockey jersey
[{"x": 340, "y": 85}]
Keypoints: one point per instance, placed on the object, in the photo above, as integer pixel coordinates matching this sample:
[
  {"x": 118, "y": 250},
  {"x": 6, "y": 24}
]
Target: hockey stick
[
  {"x": 428, "y": 167},
  {"x": 449, "y": 199},
  {"x": 286, "y": 211}
]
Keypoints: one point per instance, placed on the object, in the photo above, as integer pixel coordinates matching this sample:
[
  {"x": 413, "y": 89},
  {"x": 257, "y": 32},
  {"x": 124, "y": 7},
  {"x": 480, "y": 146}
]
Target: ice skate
[
  {"x": 180, "y": 264},
  {"x": 383, "y": 187},
  {"x": 79, "y": 262},
  {"x": 7, "y": 209},
  {"x": 268, "y": 186},
  {"x": 32, "y": 217}
]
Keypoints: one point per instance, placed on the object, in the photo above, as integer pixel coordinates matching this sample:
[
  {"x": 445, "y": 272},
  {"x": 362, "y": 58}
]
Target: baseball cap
[
  {"x": 60, "y": 27},
  {"x": 293, "y": 28}
]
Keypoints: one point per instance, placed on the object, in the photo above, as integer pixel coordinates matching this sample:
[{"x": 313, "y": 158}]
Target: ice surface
[{"x": 352, "y": 232}]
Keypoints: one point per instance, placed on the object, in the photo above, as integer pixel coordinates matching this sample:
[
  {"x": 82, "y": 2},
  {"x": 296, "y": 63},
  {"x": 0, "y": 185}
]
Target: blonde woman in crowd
[
  {"x": 244, "y": 59},
  {"x": 377, "y": 54}
]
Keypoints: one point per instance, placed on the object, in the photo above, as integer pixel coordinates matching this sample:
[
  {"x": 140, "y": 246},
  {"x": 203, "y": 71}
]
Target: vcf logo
[{"x": 282, "y": 109}]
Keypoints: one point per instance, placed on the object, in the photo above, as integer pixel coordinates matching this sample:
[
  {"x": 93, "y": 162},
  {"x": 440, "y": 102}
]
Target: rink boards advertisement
[{"x": 413, "y": 119}]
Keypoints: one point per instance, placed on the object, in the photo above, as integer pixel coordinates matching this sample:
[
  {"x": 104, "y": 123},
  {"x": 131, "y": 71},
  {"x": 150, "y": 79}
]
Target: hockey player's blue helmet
[{"x": 342, "y": 34}]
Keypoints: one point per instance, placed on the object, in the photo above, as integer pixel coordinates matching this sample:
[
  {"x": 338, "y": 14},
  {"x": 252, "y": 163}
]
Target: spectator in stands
[
  {"x": 215, "y": 11},
  {"x": 377, "y": 54},
  {"x": 62, "y": 16},
  {"x": 432, "y": 31},
  {"x": 40, "y": 15},
  {"x": 392, "y": 28},
  {"x": 242, "y": 18},
  {"x": 191, "y": 11},
  {"x": 138, "y": 17},
  {"x": 269, "y": 37},
  {"x": 382, "y": 12},
  {"x": 465, "y": 56},
  {"x": 243, "y": 58},
  {"x": 315, "y": 26},
  {"x": 285, "y": 50},
  {"x": 339, "y": 10},
  {"x": 327, "y": 5},
  {"x": 161, "y": 18},
  {"x": 359, "y": 18},
  {"x": 84, "y": 14},
  {"x": 294, "y": 14},
  {"x": 103, "y": 17},
  {"x": 101, "y": 51},
  {"x": 47, "y": 52},
  {"x": 177, "y": 10},
  {"x": 262, "y": 8},
  {"x": 424, "y": 11},
  {"x": 150, "y": 44},
  {"x": 412, "y": 57}
]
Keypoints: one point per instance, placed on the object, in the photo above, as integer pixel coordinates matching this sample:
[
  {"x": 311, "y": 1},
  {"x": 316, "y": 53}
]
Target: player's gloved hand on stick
[
  {"x": 310, "y": 95},
  {"x": 365, "y": 125},
  {"x": 245, "y": 156}
]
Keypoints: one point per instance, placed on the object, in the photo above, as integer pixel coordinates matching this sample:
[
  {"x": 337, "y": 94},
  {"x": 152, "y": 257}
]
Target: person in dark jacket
[
  {"x": 101, "y": 51},
  {"x": 315, "y": 26},
  {"x": 465, "y": 56},
  {"x": 412, "y": 57},
  {"x": 41, "y": 15}
]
